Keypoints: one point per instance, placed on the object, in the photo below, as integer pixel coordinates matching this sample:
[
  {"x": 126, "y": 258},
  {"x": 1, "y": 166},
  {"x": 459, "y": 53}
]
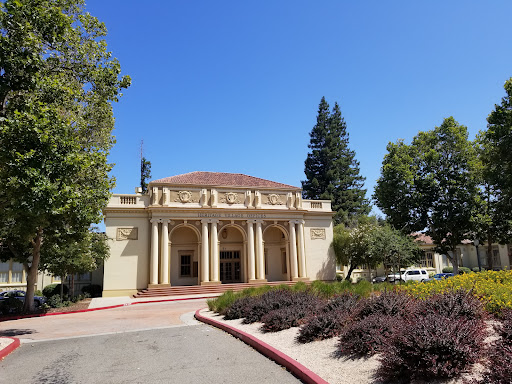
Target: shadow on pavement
[{"x": 16, "y": 332}]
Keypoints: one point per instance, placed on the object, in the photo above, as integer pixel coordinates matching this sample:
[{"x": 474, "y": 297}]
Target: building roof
[
  {"x": 221, "y": 179},
  {"x": 421, "y": 237}
]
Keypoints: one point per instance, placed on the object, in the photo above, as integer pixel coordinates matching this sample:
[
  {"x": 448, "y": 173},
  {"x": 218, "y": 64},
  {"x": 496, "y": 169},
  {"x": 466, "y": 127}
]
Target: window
[
  {"x": 17, "y": 273},
  {"x": 496, "y": 260},
  {"x": 186, "y": 265},
  {"x": 4, "y": 272},
  {"x": 427, "y": 260},
  {"x": 265, "y": 254},
  {"x": 284, "y": 267}
]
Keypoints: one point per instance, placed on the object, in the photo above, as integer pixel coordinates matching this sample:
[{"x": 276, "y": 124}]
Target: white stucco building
[{"x": 206, "y": 228}]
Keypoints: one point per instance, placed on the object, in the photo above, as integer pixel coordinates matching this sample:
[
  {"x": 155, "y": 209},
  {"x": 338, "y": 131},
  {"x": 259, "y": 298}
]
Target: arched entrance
[
  {"x": 184, "y": 255},
  {"x": 231, "y": 254},
  {"x": 277, "y": 265}
]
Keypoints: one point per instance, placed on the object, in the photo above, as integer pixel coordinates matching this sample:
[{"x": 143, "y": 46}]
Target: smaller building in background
[
  {"x": 13, "y": 276},
  {"x": 434, "y": 262}
]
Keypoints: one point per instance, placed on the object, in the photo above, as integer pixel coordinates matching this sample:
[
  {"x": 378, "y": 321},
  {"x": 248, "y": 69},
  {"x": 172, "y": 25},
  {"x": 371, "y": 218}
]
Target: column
[
  {"x": 205, "y": 265},
  {"x": 293, "y": 251},
  {"x": 153, "y": 267},
  {"x": 215, "y": 251},
  {"x": 165, "y": 252},
  {"x": 302, "y": 253},
  {"x": 259, "y": 251},
  {"x": 250, "y": 251}
]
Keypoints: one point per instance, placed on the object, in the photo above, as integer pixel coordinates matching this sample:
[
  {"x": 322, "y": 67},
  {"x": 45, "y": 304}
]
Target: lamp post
[{"x": 477, "y": 242}]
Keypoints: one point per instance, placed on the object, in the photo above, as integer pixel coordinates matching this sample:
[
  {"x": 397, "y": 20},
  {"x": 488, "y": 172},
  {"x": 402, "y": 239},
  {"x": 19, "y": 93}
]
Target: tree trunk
[
  {"x": 28, "y": 306},
  {"x": 455, "y": 261},
  {"x": 350, "y": 270}
]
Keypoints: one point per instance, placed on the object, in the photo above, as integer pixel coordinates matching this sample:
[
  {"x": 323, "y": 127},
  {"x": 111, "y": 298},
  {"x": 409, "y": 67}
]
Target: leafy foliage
[
  {"x": 431, "y": 346},
  {"x": 365, "y": 337},
  {"x": 57, "y": 83},
  {"x": 291, "y": 316},
  {"x": 431, "y": 184},
  {"x": 331, "y": 170},
  {"x": 54, "y": 289},
  {"x": 145, "y": 173},
  {"x": 324, "y": 325},
  {"x": 455, "y": 304}
]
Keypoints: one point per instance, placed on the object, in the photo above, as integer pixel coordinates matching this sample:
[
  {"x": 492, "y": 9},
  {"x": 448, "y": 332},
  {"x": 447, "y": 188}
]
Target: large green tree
[
  {"x": 432, "y": 185},
  {"x": 332, "y": 172},
  {"x": 494, "y": 216},
  {"x": 57, "y": 83}
]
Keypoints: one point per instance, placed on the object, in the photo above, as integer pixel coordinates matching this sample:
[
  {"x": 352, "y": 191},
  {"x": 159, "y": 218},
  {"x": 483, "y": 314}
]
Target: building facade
[{"x": 205, "y": 228}]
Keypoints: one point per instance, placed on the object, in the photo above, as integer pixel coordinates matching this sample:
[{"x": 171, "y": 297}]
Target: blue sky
[{"x": 234, "y": 86}]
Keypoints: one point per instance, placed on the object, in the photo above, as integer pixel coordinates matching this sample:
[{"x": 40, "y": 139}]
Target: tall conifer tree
[{"x": 332, "y": 172}]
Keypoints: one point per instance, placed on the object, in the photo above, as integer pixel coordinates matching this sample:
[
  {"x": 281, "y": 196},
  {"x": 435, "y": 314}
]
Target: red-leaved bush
[
  {"x": 455, "y": 304},
  {"x": 431, "y": 346},
  {"x": 365, "y": 337},
  {"x": 388, "y": 303},
  {"x": 322, "y": 326}
]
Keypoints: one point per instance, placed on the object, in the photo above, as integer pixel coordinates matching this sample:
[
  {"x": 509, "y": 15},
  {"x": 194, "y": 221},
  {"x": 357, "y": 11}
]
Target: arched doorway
[
  {"x": 231, "y": 254},
  {"x": 277, "y": 264},
  {"x": 184, "y": 255}
]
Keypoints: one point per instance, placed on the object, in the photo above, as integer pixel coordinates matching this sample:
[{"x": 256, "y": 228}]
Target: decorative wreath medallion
[
  {"x": 273, "y": 199},
  {"x": 231, "y": 197},
  {"x": 185, "y": 196}
]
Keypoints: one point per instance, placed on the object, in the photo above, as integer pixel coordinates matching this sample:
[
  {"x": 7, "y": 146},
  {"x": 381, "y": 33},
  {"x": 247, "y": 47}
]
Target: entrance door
[{"x": 230, "y": 267}]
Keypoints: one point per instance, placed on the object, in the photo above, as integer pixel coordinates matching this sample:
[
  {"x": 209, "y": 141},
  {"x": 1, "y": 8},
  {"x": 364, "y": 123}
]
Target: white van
[{"x": 415, "y": 274}]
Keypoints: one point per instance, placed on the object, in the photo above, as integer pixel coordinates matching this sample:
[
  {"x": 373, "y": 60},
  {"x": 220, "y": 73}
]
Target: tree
[
  {"x": 57, "y": 83},
  {"x": 145, "y": 171},
  {"x": 431, "y": 184},
  {"x": 332, "y": 172},
  {"x": 394, "y": 248},
  {"x": 65, "y": 257},
  {"x": 494, "y": 216},
  {"x": 352, "y": 247}
]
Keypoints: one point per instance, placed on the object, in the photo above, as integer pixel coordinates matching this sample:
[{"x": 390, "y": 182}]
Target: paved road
[{"x": 147, "y": 343}]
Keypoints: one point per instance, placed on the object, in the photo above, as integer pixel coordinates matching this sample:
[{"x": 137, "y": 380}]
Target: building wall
[
  {"x": 318, "y": 235},
  {"x": 126, "y": 270}
]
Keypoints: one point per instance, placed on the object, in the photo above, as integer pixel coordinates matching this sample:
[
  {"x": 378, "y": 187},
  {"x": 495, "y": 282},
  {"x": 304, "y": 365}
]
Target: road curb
[
  {"x": 18, "y": 317},
  {"x": 296, "y": 368},
  {"x": 11, "y": 347}
]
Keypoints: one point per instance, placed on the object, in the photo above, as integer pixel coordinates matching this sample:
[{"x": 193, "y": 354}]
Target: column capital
[
  {"x": 166, "y": 221},
  {"x": 153, "y": 221}
]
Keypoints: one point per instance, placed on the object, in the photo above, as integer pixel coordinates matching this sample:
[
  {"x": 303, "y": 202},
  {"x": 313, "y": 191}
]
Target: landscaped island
[{"x": 418, "y": 331}]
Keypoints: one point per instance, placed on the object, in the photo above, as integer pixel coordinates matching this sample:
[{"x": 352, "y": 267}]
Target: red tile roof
[
  {"x": 421, "y": 237},
  {"x": 220, "y": 179}
]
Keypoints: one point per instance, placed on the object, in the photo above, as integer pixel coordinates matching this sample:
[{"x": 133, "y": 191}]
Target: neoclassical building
[{"x": 204, "y": 228}]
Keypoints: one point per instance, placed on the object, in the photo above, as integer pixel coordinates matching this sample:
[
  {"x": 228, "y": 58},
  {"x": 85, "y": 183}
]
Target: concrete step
[{"x": 206, "y": 289}]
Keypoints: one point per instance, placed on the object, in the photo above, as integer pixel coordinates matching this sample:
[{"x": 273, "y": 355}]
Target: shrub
[
  {"x": 504, "y": 328},
  {"x": 271, "y": 301},
  {"x": 362, "y": 288},
  {"x": 431, "y": 347},
  {"x": 293, "y": 315},
  {"x": 54, "y": 289},
  {"x": 55, "y": 301},
  {"x": 454, "y": 304},
  {"x": 462, "y": 270},
  {"x": 11, "y": 305},
  {"x": 94, "y": 290},
  {"x": 344, "y": 302},
  {"x": 497, "y": 364},
  {"x": 339, "y": 277},
  {"x": 239, "y": 308},
  {"x": 323, "y": 326},
  {"x": 388, "y": 303},
  {"x": 365, "y": 337},
  {"x": 38, "y": 292}
]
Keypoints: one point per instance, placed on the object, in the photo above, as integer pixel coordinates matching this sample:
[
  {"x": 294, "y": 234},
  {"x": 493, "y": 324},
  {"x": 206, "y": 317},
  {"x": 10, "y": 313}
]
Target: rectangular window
[
  {"x": 186, "y": 266},
  {"x": 4, "y": 272},
  {"x": 427, "y": 260},
  {"x": 17, "y": 273},
  {"x": 265, "y": 255},
  {"x": 284, "y": 268},
  {"x": 496, "y": 259}
]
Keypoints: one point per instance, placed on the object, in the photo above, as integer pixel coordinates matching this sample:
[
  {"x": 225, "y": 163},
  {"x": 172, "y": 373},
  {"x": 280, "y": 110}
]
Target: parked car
[
  {"x": 440, "y": 276},
  {"x": 415, "y": 274},
  {"x": 393, "y": 277},
  {"x": 379, "y": 279},
  {"x": 20, "y": 295}
]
